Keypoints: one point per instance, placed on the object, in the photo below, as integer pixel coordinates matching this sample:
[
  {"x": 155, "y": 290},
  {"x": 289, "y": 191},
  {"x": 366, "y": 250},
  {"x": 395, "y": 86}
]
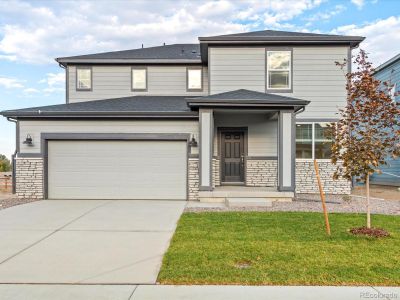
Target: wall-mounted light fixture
[
  {"x": 193, "y": 142},
  {"x": 28, "y": 140}
]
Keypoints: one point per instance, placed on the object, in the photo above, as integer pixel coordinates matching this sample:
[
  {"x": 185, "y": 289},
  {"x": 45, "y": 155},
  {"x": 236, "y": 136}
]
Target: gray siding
[
  {"x": 35, "y": 128},
  {"x": 236, "y": 68},
  {"x": 115, "y": 81},
  {"x": 262, "y": 133},
  {"x": 315, "y": 76}
]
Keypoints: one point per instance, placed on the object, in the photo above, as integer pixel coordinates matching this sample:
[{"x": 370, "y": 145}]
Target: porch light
[
  {"x": 28, "y": 140},
  {"x": 193, "y": 142}
]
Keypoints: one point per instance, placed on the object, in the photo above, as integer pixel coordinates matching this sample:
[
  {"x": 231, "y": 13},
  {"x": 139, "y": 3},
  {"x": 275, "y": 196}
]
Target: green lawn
[{"x": 282, "y": 248}]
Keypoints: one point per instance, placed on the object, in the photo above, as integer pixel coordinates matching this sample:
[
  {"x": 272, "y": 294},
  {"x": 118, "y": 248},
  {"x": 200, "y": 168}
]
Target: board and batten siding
[
  {"x": 115, "y": 81},
  {"x": 35, "y": 128},
  {"x": 262, "y": 134},
  {"x": 315, "y": 76}
]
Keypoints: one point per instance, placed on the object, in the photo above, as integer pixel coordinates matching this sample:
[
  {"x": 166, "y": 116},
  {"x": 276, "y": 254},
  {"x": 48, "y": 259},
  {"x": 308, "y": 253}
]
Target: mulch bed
[{"x": 372, "y": 232}]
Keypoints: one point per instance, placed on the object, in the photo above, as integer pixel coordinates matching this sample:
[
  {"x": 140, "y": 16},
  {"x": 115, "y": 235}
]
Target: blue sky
[{"x": 33, "y": 33}]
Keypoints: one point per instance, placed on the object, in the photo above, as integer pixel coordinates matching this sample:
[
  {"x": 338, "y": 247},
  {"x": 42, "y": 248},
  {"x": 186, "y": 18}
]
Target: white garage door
[{"x": 117, "y": 170}]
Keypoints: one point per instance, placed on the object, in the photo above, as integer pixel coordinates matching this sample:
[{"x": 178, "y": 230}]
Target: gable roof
[
  {"x": 161, "y": 106},
  {"x": 176, "y": 53},
  {"x": 247, "y": 98}
]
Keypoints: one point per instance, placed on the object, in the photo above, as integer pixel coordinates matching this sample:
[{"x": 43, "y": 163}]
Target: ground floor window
[{"x": 313, "y": 140}]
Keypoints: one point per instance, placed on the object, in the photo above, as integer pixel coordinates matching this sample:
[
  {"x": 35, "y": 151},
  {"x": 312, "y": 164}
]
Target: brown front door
[{"x": 232, "y": 156}]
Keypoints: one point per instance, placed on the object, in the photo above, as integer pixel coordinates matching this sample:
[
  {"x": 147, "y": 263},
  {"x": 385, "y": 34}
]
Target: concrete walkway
[
  {"x": 85, "y": 241},
  {"x": 147, "y": 292}
]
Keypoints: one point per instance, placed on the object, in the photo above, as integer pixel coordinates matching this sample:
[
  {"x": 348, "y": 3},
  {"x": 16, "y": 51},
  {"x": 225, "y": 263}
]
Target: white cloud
[
  {"x": 382, "y": 38},
  {"x": 358, "y": 3},
  {"x": 31, "y": 91},
  {"x": 8, "y": 57},
  {"x": 11, "y": 83},
  {"x": 54, "y": 79},
  {"x": 324, "y": 16},
  {"x": 37, "y": 32}
]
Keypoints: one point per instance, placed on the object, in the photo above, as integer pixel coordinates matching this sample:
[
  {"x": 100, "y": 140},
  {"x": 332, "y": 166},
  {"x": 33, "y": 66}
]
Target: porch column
[
  {"x": 287, "y": 151},
  {"x": 206, "y": 119}
]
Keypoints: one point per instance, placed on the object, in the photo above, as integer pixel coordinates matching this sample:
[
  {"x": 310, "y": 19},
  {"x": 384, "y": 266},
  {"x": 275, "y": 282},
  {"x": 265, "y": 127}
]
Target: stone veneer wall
[
  {"x": 261, "y": 172},
  {"x": 216, "y": 165},
  {"x": 193, "y": 180},
  {"x": 306, "y": 180},
  {"x": 29, "y": 178}
]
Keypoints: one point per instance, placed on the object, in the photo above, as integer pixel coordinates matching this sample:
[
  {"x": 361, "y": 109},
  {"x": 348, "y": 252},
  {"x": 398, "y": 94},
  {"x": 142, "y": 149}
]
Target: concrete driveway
[{"x": 86, "y": 241}]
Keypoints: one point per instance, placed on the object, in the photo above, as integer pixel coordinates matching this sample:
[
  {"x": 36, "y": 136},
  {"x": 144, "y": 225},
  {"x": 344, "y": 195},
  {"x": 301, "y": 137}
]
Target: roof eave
[
  {"x": 248, "y": 104},
  {"x": 94, "y": 114},
  {"x": 64, "y": 61}
]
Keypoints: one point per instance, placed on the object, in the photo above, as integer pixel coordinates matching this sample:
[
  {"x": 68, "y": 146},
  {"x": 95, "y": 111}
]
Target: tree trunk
[{"x": 368, "y": 206}]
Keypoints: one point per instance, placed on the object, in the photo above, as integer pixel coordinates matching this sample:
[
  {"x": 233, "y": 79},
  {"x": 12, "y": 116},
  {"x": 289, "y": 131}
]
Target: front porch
[{"x": 246, "y": 146}]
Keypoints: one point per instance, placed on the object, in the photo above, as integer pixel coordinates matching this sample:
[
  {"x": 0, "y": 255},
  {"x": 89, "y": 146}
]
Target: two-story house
[{"x": 238, "y": 115}]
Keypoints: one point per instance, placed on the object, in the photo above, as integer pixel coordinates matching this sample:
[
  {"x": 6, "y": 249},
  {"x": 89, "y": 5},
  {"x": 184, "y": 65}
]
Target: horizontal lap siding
[
  {"x": 235, "y": 68},
  {"x": 35, "y": 128},
  {"x": 391, "y": 172},
  {"x": 115, "y": 81},
  {"x": 315, "y": 76}
]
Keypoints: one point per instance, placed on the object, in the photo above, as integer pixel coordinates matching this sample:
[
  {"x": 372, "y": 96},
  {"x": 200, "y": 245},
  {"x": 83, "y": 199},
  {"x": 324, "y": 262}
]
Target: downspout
[{"x": 14, "y": 155}]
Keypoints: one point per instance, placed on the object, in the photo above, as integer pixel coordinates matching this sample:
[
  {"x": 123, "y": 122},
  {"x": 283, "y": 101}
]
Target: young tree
[
  {"x": 5, "y": 165},
  {"x": 368, "y": 132}
]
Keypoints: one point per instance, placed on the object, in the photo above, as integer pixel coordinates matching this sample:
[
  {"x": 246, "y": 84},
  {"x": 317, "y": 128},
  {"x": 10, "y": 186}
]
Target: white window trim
[
  {"x": 312, "y": 142},
  {"x": 286, "y": 89},
  {"x": 187, "y": 79},
  {"x": 79, "y": 89},
  {"x": 147, "y": 81}
]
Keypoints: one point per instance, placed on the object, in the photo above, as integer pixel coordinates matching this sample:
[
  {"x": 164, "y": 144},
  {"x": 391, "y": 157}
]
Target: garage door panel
[{"x": 117, "y": 170}]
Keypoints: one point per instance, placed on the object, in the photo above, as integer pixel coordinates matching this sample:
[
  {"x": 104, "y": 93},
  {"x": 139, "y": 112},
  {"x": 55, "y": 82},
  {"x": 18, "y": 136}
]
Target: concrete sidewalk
[{"x": 165, "y": 292}]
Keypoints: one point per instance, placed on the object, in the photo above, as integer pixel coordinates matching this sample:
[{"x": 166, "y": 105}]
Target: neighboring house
[
  {"x": 389, "y": 71},
  {"x": 239, "y": 115}
]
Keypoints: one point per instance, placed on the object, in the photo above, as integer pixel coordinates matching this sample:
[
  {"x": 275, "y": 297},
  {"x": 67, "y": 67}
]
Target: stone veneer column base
[
  {"x": 193, "y": 180},
  {"x": 29, "y": 178},
  {"x": 306, "y": 180},
  {"x": 261, "y": 172},
  {"x": 216, "y": 165}
]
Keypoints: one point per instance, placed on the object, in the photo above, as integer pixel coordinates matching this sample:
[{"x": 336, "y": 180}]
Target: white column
[
  {"x": 287, "y": 151},
  {"x": 206, "y": 147}
]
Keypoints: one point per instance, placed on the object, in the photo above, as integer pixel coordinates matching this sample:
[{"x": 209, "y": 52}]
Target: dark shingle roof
[
  {"x": 273, "y": 35},
  {"x": 248, "y": 96},
  {"x": 155, "y": 105},
  {"x": 135, "y": 105},
  {"x": 175, "y": 52}
]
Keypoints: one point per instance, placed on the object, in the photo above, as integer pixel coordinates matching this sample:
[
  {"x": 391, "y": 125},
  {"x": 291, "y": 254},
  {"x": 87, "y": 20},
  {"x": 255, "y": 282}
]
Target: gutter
[
  {"x": 15, "y": 154},
  {"x": 95, "y": 114}
]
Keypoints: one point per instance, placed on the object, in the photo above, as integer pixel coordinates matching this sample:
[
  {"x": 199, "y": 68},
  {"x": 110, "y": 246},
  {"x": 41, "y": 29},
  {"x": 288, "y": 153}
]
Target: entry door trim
[
  {"x": 45, "y": 137},
  {"x": 245, "y": 147}
]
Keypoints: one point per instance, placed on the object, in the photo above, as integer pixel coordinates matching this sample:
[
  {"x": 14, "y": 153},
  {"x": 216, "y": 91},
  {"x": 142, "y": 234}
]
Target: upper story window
[
  {"x": 84, "y": 78},
  {"x": 279, "y": 69},
  {"x": 139, "y": 79},
  {"x": 194, "y": 79},
  {"x": 313, "y": 141}
]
